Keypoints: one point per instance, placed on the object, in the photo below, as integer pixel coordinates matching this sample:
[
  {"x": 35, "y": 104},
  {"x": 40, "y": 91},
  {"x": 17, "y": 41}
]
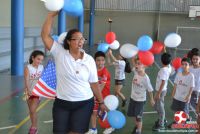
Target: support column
[
  {"x": 17, "y": 37},
  {"x": 61, "y": 22},
  {"x": 91, "y": 25},
  {"x": 81, "y": 20}
]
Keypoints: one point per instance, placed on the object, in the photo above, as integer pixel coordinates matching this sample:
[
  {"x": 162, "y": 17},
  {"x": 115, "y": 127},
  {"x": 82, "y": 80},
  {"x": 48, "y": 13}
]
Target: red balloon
[
  {"x": 176, "y": 62},
  {"x": 104, "y": 124},
  {"x": 157, "y": 47},
  {"x": 110, "y": 37},
  {"x": 146, "y": 57}
]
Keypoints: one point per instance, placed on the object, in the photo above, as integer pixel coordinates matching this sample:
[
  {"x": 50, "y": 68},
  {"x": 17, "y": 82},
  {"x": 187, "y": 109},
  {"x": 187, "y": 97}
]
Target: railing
[{"x": 174, "y": 6}]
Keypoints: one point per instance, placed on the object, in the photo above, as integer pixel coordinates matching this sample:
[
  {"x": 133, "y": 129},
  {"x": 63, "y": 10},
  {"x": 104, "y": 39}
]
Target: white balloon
[
  {"x": 115, "y": 45},
  {"x": 172, "y": 40},
  {"x": 111, "y": 102},
  {"x": 53, "y": 5},
  {"x": 128, "y": 50},
  {"x": 62, "y": 37}
]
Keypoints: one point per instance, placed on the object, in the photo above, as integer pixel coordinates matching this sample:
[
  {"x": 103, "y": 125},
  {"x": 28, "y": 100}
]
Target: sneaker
[
  {"x": 157, "y": 128},
  {"x": 33, "y": 130},
  {"x": 108, "y": 130},
  {"x": 134, "y": 130},
  {"x": 91, "y": 131},
  {"x": 138, "y": 133},
  {"x": 124, "y": 103}
]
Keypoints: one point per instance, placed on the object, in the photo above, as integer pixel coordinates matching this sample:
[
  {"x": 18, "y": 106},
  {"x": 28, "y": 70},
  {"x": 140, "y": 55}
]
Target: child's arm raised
[
  {"x": 112, "y": 56},
  {"x": 108, "y": 59}
]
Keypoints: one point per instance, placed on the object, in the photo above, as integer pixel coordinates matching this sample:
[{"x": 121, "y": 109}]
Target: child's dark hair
[
  {"x": 166, "y": 58},
  {"x": 34, "y": 54},
  {"x": 99, "y": 54},
  {"x": 69, "y": 37},
  {"x": 127, "y": 66},
  {"x": 186, "y": 60},
  {"x": 192, "y": 52}
]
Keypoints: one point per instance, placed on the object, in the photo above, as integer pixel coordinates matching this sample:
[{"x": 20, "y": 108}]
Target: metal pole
[
  {"x": 17, "y": 37},
  {"x": 91, "y": 25},
  {"x": 61, "y": 22},
  {"x": 81, "y": 20}
]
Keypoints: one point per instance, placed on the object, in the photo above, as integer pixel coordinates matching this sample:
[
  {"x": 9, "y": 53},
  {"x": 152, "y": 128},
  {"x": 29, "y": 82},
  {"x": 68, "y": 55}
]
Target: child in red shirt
[{"x": 104, "y": 84}]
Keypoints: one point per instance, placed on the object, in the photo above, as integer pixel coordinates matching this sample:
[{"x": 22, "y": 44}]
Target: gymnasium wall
[{"x": 128, "y": 26}]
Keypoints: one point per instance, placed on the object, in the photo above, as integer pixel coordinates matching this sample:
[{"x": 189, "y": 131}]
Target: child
[
  {"x": 121, "y": 66},
  {"x": 104, "y": 84},
  {"x": 195, "y": 70},
  {"x": 161, "y": 90},
  {"x": 140, "y": 84},
  {"x": 183, "y": 86},
  {"x": 32, "y": 72}
]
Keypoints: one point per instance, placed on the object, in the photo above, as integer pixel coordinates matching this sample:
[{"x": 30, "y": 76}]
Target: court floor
[{"x": 14, "y": 111}]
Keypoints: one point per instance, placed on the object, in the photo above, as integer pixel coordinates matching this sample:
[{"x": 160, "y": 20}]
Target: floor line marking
[
  {"x": 27, "y": 118},
  {"x": 150, "y": 112},
  {"x": 49, "y": 121},
  {"x": 8, "y": 127}
]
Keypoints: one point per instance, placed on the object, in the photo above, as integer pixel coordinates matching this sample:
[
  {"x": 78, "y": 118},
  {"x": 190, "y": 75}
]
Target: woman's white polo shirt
[{"x": 73, "y": 76}]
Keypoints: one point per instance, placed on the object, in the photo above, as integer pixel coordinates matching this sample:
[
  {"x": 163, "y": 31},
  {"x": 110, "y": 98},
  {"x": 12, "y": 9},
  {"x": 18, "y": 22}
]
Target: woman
[{"x": 77, "y": 81}]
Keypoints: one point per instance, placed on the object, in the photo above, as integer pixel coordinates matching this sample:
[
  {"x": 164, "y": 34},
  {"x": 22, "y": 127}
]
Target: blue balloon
[
  {"x": 180, "y": 70},
  {"x": 103, "y": 47},
  {"x": 144, "y": 43},
  {"x": 73, "y": 7},
  {"x": 116, "y": 119},
  {"x": 55, "y": 37}
]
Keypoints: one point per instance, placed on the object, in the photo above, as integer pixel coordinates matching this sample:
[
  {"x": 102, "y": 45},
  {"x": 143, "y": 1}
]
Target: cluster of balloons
[
  {"x": 71, "y": 7},
  {"x": 145, "y": 47},
  {"x": 144, "y": 44},
  {"x": 111, "y": 43},
  {"x": 115, "y": 118}
]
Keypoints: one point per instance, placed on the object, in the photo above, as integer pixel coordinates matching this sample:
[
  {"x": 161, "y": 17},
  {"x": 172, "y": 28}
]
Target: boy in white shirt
[
  {"x": 195, "y": 70},
  {"x": 161, "y": 90},
  {"x": 140, "y": 84},
  {"x": 183, "y": 86}
]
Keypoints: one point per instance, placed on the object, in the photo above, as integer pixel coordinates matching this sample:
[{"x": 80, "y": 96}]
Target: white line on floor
[
  {"x": 8, "y": 127},
  {"x": 151, "y": 112},
  {"x": 48, "y": 121}
]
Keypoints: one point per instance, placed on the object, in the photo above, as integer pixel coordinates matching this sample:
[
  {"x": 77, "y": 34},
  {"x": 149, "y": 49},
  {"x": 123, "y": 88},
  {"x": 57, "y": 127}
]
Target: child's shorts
[
  {"x": 119, "y": 82},
  {"x": 34, "y": 97},
  {"x": 180, "y": 106},
  {"x": 135, "y": 108}
]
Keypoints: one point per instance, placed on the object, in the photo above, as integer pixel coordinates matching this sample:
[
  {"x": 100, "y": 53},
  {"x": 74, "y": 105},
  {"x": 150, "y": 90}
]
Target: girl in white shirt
[
  {"x": 32, "y": 73},
  {"x": 121, "y": 66}
]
